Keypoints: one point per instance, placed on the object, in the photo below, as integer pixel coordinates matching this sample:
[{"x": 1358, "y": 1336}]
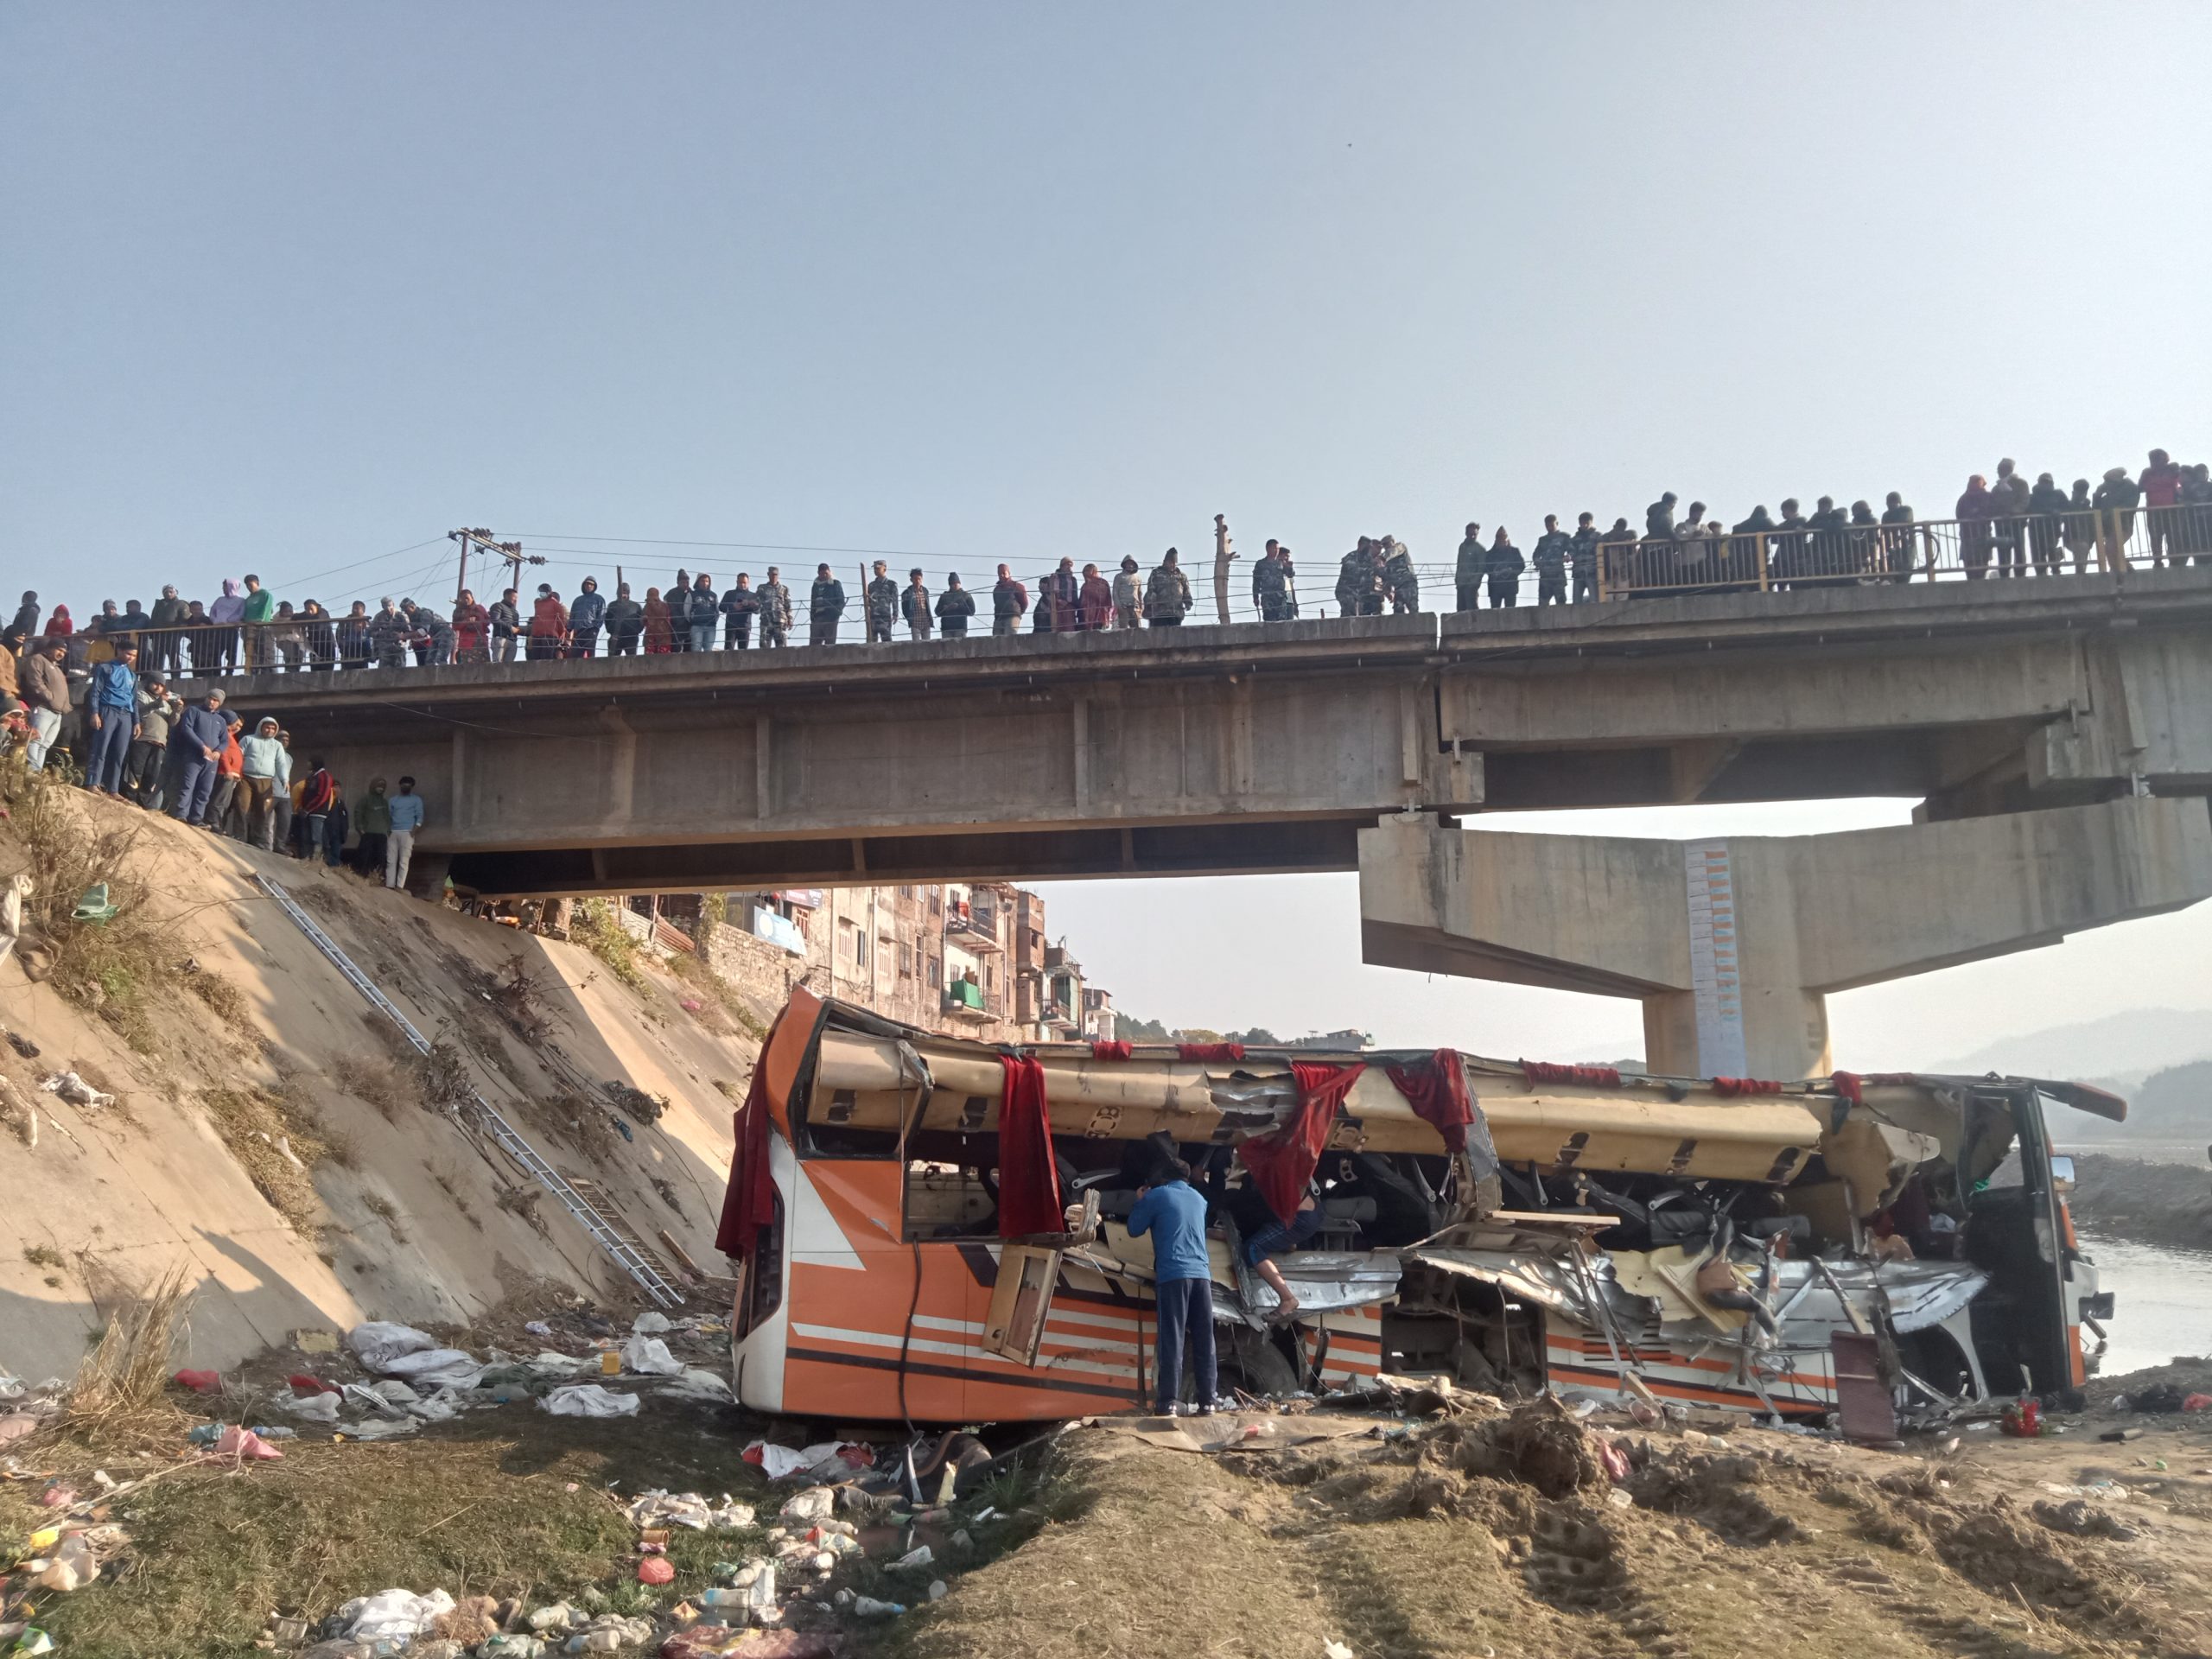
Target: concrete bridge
[{"x": 1250, "y": 748}]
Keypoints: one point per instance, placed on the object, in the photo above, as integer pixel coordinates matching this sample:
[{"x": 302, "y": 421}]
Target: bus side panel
[{"x": 1802, "y": 1384}]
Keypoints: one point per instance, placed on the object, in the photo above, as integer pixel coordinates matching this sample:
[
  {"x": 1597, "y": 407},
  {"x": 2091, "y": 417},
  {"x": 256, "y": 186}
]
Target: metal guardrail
[
  {"x": 607, "y": 1234},
  {"x": 2038, "y": 545}
]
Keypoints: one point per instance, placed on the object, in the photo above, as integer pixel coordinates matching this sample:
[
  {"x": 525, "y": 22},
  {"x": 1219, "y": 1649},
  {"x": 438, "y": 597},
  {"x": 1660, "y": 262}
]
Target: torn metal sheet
[{"x": 1532, "y": 1279}]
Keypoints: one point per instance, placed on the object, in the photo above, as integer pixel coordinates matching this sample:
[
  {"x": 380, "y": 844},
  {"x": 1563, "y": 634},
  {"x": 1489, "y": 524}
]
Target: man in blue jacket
[
  {"x": 1173, "y": 1212},
  {"x": 198, "y": 737},
  {"x": 113, "y": 712},
  {"x": 585, "y": 616}
]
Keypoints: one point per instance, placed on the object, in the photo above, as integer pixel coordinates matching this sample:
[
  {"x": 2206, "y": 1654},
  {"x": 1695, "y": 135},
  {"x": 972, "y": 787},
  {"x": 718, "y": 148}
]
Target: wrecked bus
[{"x": 932, "y": 1229}]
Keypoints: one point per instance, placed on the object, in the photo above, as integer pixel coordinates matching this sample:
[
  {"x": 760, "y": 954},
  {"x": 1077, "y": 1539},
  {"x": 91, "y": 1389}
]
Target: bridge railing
[{"x": 1927, "y": 549}]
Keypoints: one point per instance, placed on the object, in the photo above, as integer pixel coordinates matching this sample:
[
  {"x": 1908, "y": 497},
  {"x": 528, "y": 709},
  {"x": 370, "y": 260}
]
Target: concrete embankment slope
[{"x": 273, "y": 1137}]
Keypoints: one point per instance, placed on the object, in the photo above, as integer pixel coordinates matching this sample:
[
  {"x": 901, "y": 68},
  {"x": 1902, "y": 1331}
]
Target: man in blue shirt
[
  {"x": 399, "y": 845},
  {"x": 114, "y": 715},
  {"x": 1172, "y": 1211}
]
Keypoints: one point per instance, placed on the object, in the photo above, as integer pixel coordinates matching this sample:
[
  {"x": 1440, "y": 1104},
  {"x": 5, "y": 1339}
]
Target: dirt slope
[
  {"x": 1430, "y": 1547},
  {"x": 244, "y": 1041}
]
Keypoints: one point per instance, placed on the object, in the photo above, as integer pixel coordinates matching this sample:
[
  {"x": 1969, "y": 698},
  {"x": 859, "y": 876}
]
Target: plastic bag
[
  {"x": 649, "y": 1357},
  {"x": 436, "y": 1368},
  {"x": 393, "y": 1613},
  {"x": 649, "y": 1324},
  {"x": 376, "y": 1343},
  {"x": 589, "y": 1399}
]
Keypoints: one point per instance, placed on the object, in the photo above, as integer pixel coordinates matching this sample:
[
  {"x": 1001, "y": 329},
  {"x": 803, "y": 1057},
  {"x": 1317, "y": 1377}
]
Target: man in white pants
[{"x": 399, "y": 846}]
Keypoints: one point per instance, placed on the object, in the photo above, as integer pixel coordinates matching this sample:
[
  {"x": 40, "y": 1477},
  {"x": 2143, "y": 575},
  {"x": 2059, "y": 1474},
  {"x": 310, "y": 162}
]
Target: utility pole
[
  {"x": 509, "y": 553},
  {"x": 1222, "y": 555}
]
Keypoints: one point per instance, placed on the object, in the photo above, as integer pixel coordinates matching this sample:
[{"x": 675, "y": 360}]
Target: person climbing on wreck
[
  {"x": 1273, "y": 1238},
  {"x": 1172, "y": 1211}
]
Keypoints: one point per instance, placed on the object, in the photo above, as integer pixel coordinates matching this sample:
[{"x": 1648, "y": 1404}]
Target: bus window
[{"x": 950, "y": 1201}]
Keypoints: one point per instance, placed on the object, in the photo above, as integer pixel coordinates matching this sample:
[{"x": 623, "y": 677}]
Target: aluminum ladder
[{"x": 607, "y": 1234}]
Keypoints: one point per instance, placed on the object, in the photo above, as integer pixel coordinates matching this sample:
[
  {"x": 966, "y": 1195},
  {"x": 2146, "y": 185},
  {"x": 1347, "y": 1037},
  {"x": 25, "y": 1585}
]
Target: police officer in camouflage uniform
[
  {"x": 1271, "y": 586},
  {"x": 1549, "y": 557},
  {"x": 1582, "y": 557},
  {"x": 775, "y": 610},
  {"x": 825, "y": 607},
  {"x": 1399, "y": 578},
  {"x": 882, "y": 604}
]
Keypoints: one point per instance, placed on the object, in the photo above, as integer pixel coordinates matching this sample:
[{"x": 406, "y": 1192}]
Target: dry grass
[
  {"x": 444, "y": 1079},
  {"x": 378, "y": 1081},
  {"x": 258, "y": 1127},
  {"x": 119, "y": 1391},
  {"x": 225, "y": 998},
  {"x": 44, "y": 1255},
  {"x": 118, "y": 968}
]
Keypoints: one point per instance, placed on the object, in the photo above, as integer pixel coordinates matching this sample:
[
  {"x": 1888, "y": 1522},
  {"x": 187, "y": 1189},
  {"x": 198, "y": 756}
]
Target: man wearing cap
[
  {"x": 825, "y": 607},
  {"x": 954, "y": 607},
  {"x": 914, "y": 605},
  {"x": 113, "y": 711},
  {"x": 882, "y": 598},
  {"x": 775, "y": 610},
  {"x": 201, "y": 732}
]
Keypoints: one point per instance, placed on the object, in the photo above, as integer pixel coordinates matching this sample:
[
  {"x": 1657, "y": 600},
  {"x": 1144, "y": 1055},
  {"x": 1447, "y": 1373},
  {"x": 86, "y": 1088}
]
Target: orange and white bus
[{"x": 932, "y": 1229}]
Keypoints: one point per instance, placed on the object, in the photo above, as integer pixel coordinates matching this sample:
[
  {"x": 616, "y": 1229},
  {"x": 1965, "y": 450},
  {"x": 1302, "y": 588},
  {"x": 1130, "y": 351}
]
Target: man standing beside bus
[{"x": 1174, "y": 1213}]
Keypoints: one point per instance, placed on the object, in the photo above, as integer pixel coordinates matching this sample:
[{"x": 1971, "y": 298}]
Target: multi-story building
[{"x": 966, "y": 958}]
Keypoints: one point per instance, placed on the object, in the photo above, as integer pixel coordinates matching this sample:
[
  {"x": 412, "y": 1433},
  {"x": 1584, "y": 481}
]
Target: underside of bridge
[{"x": 1259, "y": 749}]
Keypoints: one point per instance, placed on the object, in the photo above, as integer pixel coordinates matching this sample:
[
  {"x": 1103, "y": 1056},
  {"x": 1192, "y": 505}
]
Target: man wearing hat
[
  {"x": 954, "y": 607},
  {"x": 914, "y": 605},
  {"x": 882, "y": 597}
]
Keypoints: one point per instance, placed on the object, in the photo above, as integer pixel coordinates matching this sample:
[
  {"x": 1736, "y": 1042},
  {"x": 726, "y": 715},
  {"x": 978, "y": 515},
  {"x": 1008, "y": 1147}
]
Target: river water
[{"x": 2164, "y": 1302}]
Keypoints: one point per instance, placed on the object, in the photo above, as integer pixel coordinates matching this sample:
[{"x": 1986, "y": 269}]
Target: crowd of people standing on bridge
[{"x": 2005, "y": 525}]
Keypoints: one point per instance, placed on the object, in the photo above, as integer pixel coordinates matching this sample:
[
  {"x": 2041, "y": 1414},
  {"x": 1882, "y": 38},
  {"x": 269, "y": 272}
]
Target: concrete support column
[{"x": 1733, "y": 945}]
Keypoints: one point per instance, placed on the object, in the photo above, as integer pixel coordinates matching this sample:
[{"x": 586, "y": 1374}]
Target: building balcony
[
  {"x": 964, "y": 1000},
  {"x": 972, "y": 934}
]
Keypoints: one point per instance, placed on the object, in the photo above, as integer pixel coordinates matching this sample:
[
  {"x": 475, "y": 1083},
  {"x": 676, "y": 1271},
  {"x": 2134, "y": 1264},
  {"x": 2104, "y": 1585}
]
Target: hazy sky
[{"x": 289, "y": 289}]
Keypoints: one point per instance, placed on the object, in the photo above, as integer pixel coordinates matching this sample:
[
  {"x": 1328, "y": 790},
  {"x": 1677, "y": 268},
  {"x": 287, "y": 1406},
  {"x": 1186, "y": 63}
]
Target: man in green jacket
[
  {"x": 260, "y": 609},
  {"x": 373, "y": 817}
]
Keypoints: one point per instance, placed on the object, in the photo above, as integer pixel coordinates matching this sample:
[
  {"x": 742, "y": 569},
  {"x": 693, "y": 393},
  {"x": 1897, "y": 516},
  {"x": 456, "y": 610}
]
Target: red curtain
[
  {"x": 1029, "y": 1185},
  {"x": 1211, "y": 1051},
  {"x": 1746, "y": 1086},
  {"x": 750, "y": 1199},
  {"x": 1283, "y": 1160},
  {"x": 1600, "y": 1076},
  {"x": 1437, "y": 1090},
  {"x": 1110, "y": 1051}
]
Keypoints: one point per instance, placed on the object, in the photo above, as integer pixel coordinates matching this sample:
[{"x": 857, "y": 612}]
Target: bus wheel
[{"x": 1252, "y": 1363}]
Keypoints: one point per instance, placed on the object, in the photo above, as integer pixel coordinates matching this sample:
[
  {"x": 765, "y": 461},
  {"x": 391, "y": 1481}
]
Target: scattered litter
[
  {"x": 649, "y": 1357},
  {"x": 376, "y": 1344},
  {"x": 870, "y": 1607},
  {"x": 1335, "y": 1650},
  {"x": 914, "y": 1559},
  {"x": 939, "y": 1590},
  {"x": 199, "y": 1382},
  {"x": 74, "y": 1089},
  {"x": 246, "y": 1445},
  {"x": 383, "y": 1429},
  {"x": 589, "y": 1399},
  {"x": 649, "y": 1324},
  {"x": 316, "y": 1342},
  {"x": 655, "y": 1569},
  {"x": 658, "y": 1509},
  {"x": 782, "y": 1462},
  {"x": 393, "y": 1615},
  {"x": 538, "y": 1328}
]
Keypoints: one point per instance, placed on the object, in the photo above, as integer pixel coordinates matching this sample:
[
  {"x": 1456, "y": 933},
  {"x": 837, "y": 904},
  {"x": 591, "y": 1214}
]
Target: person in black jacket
[
  {"x": 1503, "y": 566},
  {"x": 2046, "y": 506},
  {"x": 740, "y": 605},
  {"x": 954, "y": 607},
  {"x": 1898, "y": 551},
  {"x": 625, "y": 620},
  {"x": 585, "y": 616},
  {"x": 825, "y": 607},
  {"x": 703, "y": 612}
]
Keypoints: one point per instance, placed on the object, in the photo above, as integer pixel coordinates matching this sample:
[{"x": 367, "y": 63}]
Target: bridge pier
[{"x": 1733, "y": 945}]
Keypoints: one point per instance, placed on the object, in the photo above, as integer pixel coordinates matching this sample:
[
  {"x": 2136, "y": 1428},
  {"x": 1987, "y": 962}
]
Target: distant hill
[
  {"x": 2175, "y": 1105},
  {"x": 2119, "y": 1051}
]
